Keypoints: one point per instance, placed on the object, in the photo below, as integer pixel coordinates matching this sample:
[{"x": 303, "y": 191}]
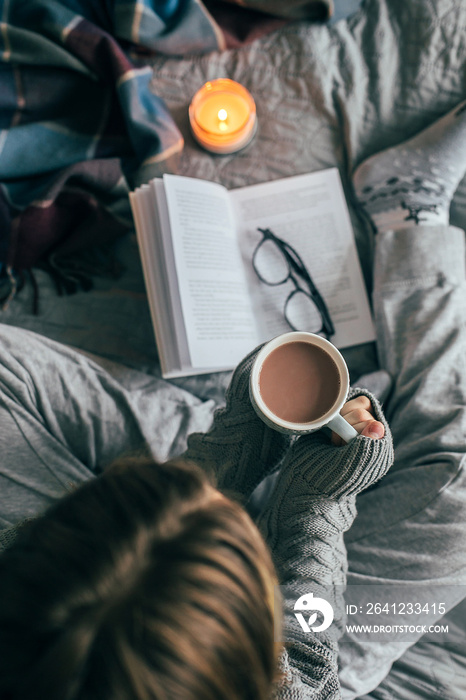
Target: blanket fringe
[
  {"x": 10, "y": 285},
  {"x": 35, "y": 293},
  {"x": 69, "y": 275},
  {"x": 76, "y": 272}
]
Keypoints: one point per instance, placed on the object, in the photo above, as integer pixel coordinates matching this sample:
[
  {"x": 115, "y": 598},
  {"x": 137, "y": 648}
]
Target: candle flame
[{"x": 222, "y": 115}]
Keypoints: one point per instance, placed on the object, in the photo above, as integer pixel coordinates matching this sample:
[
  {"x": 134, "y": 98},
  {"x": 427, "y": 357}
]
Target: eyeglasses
[{"x": 276, "y": 262}]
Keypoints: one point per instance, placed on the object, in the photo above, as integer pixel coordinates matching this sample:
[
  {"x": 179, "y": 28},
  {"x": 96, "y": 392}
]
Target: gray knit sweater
[{"x": 312, "y": 505}]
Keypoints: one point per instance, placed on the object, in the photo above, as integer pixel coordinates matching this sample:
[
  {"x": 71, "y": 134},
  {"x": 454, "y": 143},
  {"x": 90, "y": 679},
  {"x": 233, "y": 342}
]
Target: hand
[
  {"x": 239, "y": 450},
  {"x": 359, "y": 413}
]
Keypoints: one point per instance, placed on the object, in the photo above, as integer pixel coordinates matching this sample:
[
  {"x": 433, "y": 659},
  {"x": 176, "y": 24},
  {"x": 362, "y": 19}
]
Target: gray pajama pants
[
  {"x": 410, "y": 532},
  {"x": 63, "y": 418}
]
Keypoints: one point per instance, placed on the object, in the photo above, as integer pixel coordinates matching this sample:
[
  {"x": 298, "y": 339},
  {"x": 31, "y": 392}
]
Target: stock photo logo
[{"x": 313, "y": 606}]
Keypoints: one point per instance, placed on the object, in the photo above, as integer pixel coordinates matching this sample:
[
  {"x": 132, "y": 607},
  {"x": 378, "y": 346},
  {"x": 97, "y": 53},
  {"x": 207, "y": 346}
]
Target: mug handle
[{"x": 342, "y": 428}]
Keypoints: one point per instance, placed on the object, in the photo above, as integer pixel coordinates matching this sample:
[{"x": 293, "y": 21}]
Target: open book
[{"x": 197, "y": 240}]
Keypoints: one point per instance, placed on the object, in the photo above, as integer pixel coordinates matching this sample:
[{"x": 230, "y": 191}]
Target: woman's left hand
[{"x": 359, "y": 413}]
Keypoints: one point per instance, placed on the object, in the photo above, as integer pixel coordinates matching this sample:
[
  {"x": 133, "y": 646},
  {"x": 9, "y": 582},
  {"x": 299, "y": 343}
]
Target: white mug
[{"x": 330, "y": 415}]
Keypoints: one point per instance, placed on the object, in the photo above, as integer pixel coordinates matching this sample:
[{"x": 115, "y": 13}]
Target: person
[
  {"x": 147, "y": 581},
  {"x": 406, "y": 516}
]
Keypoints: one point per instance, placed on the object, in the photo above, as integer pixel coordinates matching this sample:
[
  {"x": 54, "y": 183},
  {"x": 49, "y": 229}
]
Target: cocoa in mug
[{"x": 299, "y": 382}]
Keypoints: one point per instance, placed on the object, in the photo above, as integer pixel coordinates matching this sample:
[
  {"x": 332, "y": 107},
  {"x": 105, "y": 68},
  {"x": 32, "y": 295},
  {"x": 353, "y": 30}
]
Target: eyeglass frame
[{"x": 295, "y": 267}]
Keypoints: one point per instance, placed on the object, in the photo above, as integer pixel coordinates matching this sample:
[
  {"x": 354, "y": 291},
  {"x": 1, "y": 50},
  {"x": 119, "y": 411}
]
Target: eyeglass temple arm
[{"x": 315, "y": 294}]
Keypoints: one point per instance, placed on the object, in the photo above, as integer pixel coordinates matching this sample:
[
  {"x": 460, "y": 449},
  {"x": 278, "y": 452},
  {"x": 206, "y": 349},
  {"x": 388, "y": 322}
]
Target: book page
[
  {"x": 149, "y": 234},
  {"x": 309, "y": 212},
  {"x": 177, "y": 351},
  {"x": 217, "y": 313}
]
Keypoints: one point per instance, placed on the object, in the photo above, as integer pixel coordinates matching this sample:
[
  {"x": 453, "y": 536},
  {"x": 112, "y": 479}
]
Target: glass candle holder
[{"x": 222, "y": 115}]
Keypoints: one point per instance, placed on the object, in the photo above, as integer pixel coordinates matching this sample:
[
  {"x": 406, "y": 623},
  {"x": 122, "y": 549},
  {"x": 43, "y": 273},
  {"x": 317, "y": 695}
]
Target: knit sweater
[{"x": 312, "y": 504}]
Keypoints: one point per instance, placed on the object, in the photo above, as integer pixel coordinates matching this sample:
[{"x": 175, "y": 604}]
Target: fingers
[
  {"x": 374, "y": 429},
  {"x": 359, "y": 413}
]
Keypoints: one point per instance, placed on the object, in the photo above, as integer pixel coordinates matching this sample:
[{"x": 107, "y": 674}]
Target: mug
[{"x": 299, "y": 383}]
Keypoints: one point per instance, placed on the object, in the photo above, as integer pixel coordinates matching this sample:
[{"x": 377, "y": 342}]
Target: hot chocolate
[{"x": 299, "y": 382}]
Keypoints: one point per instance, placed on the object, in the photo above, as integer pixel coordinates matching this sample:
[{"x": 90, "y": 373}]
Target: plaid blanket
[
  {"x": 79, "y": 124},
  {"x": 77, "y": 120}
]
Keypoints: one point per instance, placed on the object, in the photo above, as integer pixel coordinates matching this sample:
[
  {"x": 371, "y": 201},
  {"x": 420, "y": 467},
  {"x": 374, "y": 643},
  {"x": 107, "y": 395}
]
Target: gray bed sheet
[{"x": 326, "y": 96}]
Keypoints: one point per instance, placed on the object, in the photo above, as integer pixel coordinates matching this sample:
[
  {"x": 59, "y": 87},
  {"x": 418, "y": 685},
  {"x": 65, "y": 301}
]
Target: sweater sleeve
[
  {"x": 311, "y": 507},
  {"x": 239, "y": 450}
]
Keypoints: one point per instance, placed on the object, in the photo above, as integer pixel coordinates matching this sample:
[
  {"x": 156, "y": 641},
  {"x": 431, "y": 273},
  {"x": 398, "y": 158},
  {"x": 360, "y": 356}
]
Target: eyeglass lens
[
  {"x": 270, "y": 263},
  {"x": 301, "y": 312}
]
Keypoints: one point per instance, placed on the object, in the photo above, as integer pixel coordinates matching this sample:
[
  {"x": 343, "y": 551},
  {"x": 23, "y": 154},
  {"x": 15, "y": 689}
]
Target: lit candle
[{"x": 222, "y": 115}]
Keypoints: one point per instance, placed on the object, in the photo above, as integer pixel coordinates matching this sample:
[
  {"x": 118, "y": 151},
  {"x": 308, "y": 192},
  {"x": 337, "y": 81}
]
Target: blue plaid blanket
[{"x": 77, "y": 118}]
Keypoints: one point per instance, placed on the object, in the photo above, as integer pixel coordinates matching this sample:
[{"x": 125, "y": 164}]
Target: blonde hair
[{"x": 138, "y": 586}]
